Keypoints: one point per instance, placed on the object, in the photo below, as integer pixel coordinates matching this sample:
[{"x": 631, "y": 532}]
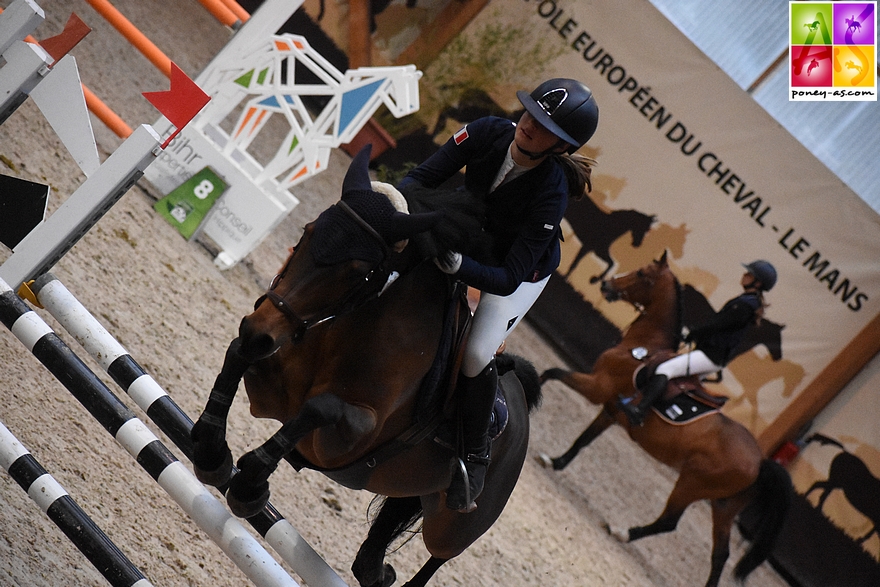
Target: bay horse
[
  {"x": 717, "y": 458},
  {"x": 338, "y": 350}
]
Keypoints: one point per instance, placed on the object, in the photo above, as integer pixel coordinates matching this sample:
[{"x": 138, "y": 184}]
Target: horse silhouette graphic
[
  {"x": 597, "y": 229},
  {"x": 853, "y": 25},
  {"x": 849, "y": 473},
  {"x": 851, "y": 65}
]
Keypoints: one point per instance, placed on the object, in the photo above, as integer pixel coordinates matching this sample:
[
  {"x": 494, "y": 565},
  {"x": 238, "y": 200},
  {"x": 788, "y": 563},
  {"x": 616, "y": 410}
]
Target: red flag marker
[
  {"x": 60, "y": 45},
  {"x": 181, "y": 103}
]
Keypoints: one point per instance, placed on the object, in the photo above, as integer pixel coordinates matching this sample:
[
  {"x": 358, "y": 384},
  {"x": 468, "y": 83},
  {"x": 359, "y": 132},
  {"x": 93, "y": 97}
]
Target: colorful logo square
[{"x": 832, "y": 51}]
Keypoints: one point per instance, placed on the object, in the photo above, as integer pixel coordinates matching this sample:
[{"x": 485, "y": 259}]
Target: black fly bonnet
[{"x": 363, "y": 221}]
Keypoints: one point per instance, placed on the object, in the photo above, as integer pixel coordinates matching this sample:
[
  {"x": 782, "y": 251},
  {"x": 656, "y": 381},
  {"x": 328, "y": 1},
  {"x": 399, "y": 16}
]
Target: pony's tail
[
  {"x": 775, "y": 493},
  {"x": 527, "y": 375}
]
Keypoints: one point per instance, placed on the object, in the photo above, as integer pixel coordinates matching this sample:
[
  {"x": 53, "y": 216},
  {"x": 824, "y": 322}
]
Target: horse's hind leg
[
  {"x": 396, "y": 516},
  {"x": 427, "y": 571},
  {"x": 602, "y": 422},
  {"x": 724, "y": 511},
  {"x": 212, "y": 460}
]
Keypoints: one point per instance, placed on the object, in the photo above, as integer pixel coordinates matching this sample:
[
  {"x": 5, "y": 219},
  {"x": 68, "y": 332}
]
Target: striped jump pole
[
  {"x": 66, "y": 514},
  {"x": 171, "y": 419},
  {"x": 208, "y": 513}
]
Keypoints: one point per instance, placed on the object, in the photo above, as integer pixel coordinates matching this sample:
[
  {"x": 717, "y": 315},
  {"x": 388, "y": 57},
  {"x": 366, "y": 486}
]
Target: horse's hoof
[
  {"x": 388, "y": 577},
  {"x": 620, "y": 534},
  {"x": 216, "y": 477},
  {"x": 247, "y": 508},
  {"x": 545, "y": 460}
]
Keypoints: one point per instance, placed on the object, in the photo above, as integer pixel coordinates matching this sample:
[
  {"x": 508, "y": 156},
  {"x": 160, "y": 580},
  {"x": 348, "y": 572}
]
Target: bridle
[
  {"x": 623, "y": 294},
  {"x": 354, "y": 297}
]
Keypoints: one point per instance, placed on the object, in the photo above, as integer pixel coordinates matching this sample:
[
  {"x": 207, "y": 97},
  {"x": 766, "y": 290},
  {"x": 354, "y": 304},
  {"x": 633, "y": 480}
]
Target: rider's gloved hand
[{"x": 450, "y": 263}]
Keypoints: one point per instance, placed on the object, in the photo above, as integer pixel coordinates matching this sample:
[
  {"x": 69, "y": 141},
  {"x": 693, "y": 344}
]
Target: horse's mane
[{"x": 460, "y": 229}]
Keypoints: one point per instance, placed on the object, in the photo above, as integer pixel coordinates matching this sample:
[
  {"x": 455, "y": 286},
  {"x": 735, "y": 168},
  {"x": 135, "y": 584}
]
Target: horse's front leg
[
  {"x": 599, "y": 425},
  {"x": 583, "y": 383},
  {"x": 249, "y": 489},
  {"x": 609, "y": 262},
  {"x": 212, "y": 460}
]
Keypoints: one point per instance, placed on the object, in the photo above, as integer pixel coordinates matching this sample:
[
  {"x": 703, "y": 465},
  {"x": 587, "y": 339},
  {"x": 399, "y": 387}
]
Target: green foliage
[
  {"x": 393, "y": 176},
  {"x": 493, "y": 55}
]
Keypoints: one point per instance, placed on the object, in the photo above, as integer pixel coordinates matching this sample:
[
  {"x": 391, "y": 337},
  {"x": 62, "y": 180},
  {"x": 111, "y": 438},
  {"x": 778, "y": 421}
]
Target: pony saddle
[{"x": 686, "y": 399}]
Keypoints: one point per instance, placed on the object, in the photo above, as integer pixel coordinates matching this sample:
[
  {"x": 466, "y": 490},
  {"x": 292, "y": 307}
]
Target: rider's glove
[{"x": 450, "y": 263}]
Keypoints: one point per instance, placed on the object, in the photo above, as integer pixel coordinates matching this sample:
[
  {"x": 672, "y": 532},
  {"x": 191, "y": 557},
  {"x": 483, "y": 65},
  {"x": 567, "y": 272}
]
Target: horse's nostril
[{"x": 255, "y": 345}]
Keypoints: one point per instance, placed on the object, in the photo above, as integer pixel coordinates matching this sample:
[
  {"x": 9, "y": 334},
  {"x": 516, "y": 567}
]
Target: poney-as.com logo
[{"x": 832, "y": 51}]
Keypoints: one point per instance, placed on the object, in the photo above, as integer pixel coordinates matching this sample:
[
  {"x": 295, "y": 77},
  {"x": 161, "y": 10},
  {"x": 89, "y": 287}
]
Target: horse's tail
[
  {"x": 775, "y": 493},
  {"x": 527, "y": 375}
]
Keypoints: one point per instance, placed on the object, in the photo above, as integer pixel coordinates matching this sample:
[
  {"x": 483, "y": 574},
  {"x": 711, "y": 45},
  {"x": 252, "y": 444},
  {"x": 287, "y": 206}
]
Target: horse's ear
[
  {"x": 357, "y": 178},
  {"x": 662, "y": 259}
]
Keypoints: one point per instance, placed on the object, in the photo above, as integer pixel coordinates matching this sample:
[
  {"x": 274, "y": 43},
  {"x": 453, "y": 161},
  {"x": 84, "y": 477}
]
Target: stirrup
[
  {"x": 632, "y": 411},
  {"x": 461, "y": 472}
]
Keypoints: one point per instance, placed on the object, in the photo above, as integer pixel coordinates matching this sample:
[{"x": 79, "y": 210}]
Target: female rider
[
  {"x": 525, "y": 174},
  {"x": 715, "y": 341}
]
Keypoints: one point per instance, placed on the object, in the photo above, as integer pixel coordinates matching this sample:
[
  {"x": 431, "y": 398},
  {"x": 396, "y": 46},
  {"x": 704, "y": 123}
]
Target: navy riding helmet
[
  {"x": 764, "y": 272},
  {"x": 566, "y": 108}
]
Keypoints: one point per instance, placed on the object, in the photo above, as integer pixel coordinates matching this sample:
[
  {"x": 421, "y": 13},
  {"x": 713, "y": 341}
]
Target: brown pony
[
  {"x": 343, "y": 349},
  {"x": 717, "y": 458}
]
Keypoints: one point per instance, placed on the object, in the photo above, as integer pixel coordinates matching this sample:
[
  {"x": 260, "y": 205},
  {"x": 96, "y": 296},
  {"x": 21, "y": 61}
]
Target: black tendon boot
[
  {"x": 476, "y": 397},
  {"x": 651, "y": 392}
]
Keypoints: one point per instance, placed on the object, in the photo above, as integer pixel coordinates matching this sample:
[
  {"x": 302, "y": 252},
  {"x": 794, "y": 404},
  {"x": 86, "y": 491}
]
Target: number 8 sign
[{"x": 187, "y": 205}]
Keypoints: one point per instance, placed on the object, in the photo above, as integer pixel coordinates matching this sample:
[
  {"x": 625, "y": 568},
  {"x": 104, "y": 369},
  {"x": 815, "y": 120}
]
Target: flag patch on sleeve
[{"x": 461, "y": 136}]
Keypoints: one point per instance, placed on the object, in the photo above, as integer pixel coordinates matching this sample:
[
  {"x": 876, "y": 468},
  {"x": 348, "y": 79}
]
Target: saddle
[{"x": 685, "y": 398}]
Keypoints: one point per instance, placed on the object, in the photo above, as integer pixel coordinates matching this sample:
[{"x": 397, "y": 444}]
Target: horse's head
[
  {"x": 341, "y": 261},
  {"x": 638, "y": 287}
]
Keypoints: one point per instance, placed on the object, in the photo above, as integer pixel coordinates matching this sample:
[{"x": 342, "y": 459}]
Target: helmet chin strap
[{"x": 551, "y": 151}]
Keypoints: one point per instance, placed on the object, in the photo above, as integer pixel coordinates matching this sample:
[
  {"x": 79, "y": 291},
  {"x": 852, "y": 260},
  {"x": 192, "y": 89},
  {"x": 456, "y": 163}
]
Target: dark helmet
[
  {"x": 566, "y": 108},
  {"x": 764, "y": 272}
]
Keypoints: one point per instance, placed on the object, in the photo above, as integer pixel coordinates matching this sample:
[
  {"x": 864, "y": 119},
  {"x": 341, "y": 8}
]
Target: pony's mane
[{"x": 460, "y": 229}]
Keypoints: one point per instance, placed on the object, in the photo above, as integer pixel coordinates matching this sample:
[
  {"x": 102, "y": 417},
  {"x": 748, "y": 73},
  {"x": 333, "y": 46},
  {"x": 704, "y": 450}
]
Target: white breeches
[
  {"x": 494, "y": 320},
  {"x": 691, "y": 363}
]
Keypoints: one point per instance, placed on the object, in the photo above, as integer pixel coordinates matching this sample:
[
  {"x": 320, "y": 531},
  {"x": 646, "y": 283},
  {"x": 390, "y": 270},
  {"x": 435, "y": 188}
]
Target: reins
[{"x": 354, "y": 298}]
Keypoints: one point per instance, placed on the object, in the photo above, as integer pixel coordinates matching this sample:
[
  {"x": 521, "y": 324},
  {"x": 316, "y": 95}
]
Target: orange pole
[
  {"x": 105, "y": 115},
  {"x": 236, "y": 8},
  {"x": 221, "y": 12},
  {"x": 133, "y": 35}
]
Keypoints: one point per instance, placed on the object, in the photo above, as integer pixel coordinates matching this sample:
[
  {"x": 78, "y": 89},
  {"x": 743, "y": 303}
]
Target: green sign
[{"x": 188, "y": 204}]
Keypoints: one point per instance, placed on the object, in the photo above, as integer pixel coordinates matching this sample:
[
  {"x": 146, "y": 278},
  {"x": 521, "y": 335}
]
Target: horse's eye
[{"x": 640, "y": 273}]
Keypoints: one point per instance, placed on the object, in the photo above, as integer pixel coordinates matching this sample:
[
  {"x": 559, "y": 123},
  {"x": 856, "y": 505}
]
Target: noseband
[{"x": 355, "y": 297}]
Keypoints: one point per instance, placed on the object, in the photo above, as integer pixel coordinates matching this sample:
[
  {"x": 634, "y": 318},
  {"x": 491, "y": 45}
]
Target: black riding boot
[
  {"x": 476, "y": 397},
  {"x": 651, "y": 392}
]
